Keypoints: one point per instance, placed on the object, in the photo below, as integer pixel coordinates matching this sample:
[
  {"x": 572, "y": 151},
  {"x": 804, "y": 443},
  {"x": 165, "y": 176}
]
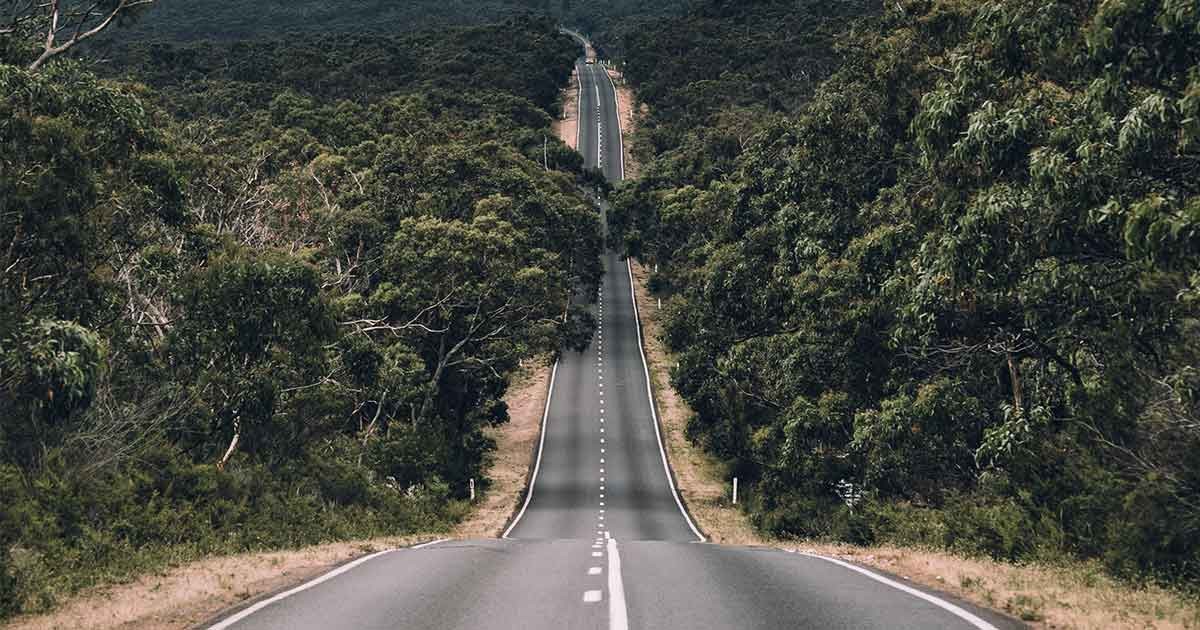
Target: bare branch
[{"x": 53, "y": 47}]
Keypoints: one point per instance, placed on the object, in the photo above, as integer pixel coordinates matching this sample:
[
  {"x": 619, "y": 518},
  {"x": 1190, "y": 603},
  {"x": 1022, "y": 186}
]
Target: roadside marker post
[
  {"x": 735, "y": 490},
  {"x": 472, "y": 485}
]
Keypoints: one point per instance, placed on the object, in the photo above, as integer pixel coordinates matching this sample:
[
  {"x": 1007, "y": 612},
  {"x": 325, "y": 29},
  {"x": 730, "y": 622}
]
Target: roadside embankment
[
  {"x": 512, "y": 461},
  {"x": 1068, "y": 595},
  {"x": 630, "y": 113},
  {"x": 192, "y": 593},
  {"x": 566, "y": 128}
]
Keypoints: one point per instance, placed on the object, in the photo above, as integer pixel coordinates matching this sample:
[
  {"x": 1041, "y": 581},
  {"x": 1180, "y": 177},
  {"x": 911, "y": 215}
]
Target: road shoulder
[
  {"x": 513, "y": 460},
  {"x": 630, "y": 114}
]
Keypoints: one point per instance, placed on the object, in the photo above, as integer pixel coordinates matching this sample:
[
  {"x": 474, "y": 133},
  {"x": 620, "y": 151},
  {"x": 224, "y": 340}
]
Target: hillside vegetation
[
  {"x": 302, "y": 19},
  {"x": 268, "y": 294},
  {"x": 933, "y": 269}
]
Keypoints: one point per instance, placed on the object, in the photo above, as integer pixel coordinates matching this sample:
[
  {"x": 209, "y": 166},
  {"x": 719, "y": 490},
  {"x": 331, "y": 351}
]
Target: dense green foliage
[
  {"x": 269, "y": 294},
  {"x": 302, "y": 19},
  {"x": 950, "y": 296}
]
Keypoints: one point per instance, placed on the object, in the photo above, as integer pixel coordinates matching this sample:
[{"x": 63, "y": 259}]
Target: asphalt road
[{"x": 602, "y": 541}]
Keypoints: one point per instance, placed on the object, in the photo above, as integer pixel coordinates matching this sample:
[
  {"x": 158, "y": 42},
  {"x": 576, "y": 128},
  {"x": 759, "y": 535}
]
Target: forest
[
  {"x": 262, "y": 294},
  {"x": 932, "y": 269},
  {"x": 235, "y": 20}
]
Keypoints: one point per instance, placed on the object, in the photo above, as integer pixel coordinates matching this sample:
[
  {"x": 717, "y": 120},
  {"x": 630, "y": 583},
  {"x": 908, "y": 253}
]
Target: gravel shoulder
[
  {"x": 567, "y": 127},
  {"x": 630, "y": 114}
]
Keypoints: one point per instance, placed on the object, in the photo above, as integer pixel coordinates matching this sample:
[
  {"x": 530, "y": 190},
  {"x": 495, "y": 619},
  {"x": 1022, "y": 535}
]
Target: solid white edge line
[
  {"x": 957, "y": 611},
  {"x": 242, "y": 614},
  {"x": 620, "y": 127},
  {"x": 579, "y": 109},
  {"x": 537, "y": 464},
  {"x": 618, "y": 613},
  {"x": 653, "y": 413}
]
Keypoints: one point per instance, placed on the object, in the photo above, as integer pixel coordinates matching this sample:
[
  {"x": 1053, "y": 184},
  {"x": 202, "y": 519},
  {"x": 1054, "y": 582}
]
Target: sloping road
[
  {"x": 601, "y": 467},
  {"x": 602, "y": 541}
]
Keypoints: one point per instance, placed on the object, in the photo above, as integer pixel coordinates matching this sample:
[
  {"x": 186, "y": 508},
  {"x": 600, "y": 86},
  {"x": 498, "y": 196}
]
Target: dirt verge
[
  {"x": 190, "y": 594},
  {"x": 1070, "y": 595},
  {"x": 516, "y": 443},
  {"x": 567, "y": 128},
  {"x": 630, "y": 114}
]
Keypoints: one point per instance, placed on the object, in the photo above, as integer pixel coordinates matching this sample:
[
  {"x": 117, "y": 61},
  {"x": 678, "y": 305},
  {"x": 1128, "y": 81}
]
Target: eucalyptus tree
[{"x": 952, "y": 300}]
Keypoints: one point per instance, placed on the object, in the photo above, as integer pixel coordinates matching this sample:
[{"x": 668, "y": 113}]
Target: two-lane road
[
  {"x": 602, "y": 541},
  {"x": 599, "y": 124}
]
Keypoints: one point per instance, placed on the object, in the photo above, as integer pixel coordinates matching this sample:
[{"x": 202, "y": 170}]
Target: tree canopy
[
  {"x": 947, "y": 295},
  {"x": 271, "y": 293}
]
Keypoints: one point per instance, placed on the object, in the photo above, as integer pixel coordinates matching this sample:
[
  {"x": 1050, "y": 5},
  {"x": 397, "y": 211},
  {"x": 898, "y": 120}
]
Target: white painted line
[
  {"x": 240, "y": 615},
  {"x": 957, "y": 611},
  {"x": 599, "y": 129},
  {"x": 618, "y": 615},
  {"x": 591, "y": 597},
  {"x": 597, "y": 554},
  {"x": 637, "y": 318},
  {"x": 537, "y": 465},
  {"x": 594, "y": 570}
]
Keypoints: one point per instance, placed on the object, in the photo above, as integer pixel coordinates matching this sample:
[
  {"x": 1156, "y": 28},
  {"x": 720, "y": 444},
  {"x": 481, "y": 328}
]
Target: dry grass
[
  {"x": 701, "y": 480},
  {"x": 1075, "y": 595},
  {"x": 187, "y": 595},
  {"x": 516, "y": 442},
  {"x": 567, "y": 128}
]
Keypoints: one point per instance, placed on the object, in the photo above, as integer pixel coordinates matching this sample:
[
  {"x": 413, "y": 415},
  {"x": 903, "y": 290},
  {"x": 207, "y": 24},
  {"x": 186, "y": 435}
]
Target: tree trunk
[{"x": 1014, "y": 374}]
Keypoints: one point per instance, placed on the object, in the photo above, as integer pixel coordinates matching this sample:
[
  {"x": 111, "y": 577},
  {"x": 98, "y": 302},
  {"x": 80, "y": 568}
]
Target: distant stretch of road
[{"x": 602, "y": 540}]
